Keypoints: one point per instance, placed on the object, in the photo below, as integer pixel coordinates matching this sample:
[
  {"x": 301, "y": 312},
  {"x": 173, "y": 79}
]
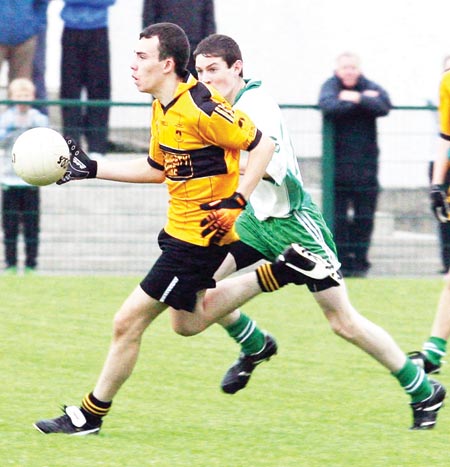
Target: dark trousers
[
  {"x": 444, "y": 241},
  {"x": 85, "y": 64},
  {"x": 20, "y": 207},
  {"x": 354, "y": 215},
  {"x": 443, "y": 229}
]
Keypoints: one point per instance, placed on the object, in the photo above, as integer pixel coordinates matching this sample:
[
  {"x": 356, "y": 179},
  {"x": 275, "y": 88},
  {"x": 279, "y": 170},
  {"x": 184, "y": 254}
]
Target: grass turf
[{"x": 320, "y": 402}]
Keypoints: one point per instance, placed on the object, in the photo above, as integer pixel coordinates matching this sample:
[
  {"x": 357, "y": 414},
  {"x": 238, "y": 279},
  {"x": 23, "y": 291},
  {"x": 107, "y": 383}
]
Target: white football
[{"x": 40, "y": 156}]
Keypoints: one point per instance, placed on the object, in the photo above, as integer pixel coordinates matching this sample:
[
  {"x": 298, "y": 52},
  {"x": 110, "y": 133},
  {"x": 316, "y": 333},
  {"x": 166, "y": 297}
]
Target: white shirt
[{"x": 284, "y": 193}]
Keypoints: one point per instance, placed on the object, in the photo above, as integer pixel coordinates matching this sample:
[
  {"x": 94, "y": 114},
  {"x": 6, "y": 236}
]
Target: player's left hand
[
  {"x": 222, "y": 217},
  {"x": 80, "y": 166}
]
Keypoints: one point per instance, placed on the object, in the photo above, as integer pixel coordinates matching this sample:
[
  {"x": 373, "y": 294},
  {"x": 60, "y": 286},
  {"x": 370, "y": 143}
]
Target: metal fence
[{"x": 110, "y": 228}]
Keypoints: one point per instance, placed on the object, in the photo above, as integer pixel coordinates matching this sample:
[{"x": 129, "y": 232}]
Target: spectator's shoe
[
  {"x": 73, "y": 422},
  {"x": 305, "y": 263},
  {"x": 237, "y": 377},
  {"x": 421, "y": 360},
  {"x": 425, "y": 412},
  {"x": 29, "y": 271}
]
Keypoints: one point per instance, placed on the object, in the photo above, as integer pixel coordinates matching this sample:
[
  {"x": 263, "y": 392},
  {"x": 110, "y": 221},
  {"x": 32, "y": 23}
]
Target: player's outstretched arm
[{"x": 133, "y": 171}]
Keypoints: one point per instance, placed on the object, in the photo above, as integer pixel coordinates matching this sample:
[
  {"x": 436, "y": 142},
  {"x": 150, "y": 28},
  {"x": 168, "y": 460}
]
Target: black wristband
[{"x": 239, "y": 199}]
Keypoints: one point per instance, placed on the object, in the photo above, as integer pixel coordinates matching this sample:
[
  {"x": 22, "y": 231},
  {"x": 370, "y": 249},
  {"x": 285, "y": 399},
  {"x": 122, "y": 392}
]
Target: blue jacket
[
  {"x": 21, "y": 19},
  {"x": 86, "y": 14}
]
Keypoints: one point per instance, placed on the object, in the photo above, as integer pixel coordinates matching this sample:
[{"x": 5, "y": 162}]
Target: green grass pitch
[{"x": 319, "y": 402}]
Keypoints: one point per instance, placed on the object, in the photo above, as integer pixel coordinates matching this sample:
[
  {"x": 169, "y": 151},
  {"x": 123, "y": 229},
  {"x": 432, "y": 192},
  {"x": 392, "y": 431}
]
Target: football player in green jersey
[{"x": 280, "y": 212}]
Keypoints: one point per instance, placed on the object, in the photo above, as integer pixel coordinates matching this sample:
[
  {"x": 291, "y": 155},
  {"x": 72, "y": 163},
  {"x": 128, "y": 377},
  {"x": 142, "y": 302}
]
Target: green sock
[
  {"x": 434, "y": 349},
  {"x": 245, "y": 332},
  {"x": 414, "y": 381}
]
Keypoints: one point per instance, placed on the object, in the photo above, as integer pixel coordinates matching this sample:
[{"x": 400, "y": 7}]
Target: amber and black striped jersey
[
  {"x": 444, "y": 106},
  {"x": 196, "y": 139}
]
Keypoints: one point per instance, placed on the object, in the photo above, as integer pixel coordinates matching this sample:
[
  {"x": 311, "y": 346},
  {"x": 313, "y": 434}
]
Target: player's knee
[
  {"x": 128, "y": 326},
  {"x": 185, "y": 330},
  {"x": 119, "y": 328},
  {"x": 344, "y": 329},
  {"x": 338, "y": 329}
]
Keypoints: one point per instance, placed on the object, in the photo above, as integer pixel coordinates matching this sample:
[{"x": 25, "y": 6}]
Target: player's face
[
  {"x": 148, "y": 71},
  {"x": 348, "y": 71},
  {"x": 215, "y": 71}
]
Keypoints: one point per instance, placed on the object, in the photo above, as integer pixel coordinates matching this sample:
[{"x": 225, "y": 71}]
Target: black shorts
[{"x": 182, "y": 270}]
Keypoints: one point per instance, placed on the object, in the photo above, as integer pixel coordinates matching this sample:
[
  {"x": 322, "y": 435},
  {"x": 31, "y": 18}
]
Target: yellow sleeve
[
  {"x": 444, "y": 106},
  {"x": 229, "y": 128}
]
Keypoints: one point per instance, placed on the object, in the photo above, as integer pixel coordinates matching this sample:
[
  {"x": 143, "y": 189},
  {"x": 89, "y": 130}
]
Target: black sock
[
  {"x": 270, "y": 277},
  {"x": 94, "y": 409}
]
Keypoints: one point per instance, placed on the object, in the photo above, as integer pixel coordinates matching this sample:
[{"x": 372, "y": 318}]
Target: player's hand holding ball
[
  {"x": 80, "y": 166},
  {"x": 40, "y": 156},
  {"x": 222, "y": 217},
  {"x": 439, "y": 203}
]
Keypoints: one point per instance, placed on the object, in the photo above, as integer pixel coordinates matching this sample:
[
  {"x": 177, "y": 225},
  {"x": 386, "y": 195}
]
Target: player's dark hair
[
  {"x": 219, "y": 45},
  {"x": 173, "y": 43}
]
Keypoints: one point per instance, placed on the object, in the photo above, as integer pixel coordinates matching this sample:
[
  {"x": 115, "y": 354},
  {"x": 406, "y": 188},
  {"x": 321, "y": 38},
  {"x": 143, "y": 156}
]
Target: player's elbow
[{"x": 154, "y": 176}]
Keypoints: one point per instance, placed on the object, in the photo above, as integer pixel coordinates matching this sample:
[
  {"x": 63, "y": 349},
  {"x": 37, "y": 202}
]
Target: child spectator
[{"x": 20, "y": 201}]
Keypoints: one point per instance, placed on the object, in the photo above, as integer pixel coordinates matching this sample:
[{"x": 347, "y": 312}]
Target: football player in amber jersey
[
  {"x": 281, "y": 212},
  {"x": 434, "y": 349},
  {"x": 195, "y": 148}
]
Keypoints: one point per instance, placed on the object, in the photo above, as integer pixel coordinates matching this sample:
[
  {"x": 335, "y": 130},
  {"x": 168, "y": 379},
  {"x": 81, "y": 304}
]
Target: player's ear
[
  {"x": 238, "y": 66},
  {"x": 169, "y": 65}
]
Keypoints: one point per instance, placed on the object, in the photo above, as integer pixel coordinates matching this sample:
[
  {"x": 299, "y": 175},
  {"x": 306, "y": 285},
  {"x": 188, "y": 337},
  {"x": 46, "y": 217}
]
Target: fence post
[{"x": 328, "y": 172}]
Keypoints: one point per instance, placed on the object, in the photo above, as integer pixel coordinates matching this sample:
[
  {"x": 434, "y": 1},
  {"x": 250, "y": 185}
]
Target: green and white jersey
[
  {"x": 280, "y": 211},
  {"x": 284, "y": 193}
]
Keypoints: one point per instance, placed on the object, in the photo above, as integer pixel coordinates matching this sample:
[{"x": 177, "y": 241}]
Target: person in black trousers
[
  {"x": 195, "y": 17},
  {"x": 443, "y": 227},
  {"x": 85, "y": 65},
  {"x": 353, "y": 103}
]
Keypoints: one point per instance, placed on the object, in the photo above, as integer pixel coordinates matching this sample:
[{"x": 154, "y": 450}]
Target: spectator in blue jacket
[
  {"x": 353, "y": 103},
  {"x": 40, "y": 64},
  {"x": 85, "y": 66},
  {"x": 20, "y": 23}
]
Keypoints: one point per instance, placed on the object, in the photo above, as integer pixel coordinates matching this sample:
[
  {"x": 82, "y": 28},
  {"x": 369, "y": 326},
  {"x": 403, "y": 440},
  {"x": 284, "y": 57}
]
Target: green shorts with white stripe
[{"x": 272, "y": 236}]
